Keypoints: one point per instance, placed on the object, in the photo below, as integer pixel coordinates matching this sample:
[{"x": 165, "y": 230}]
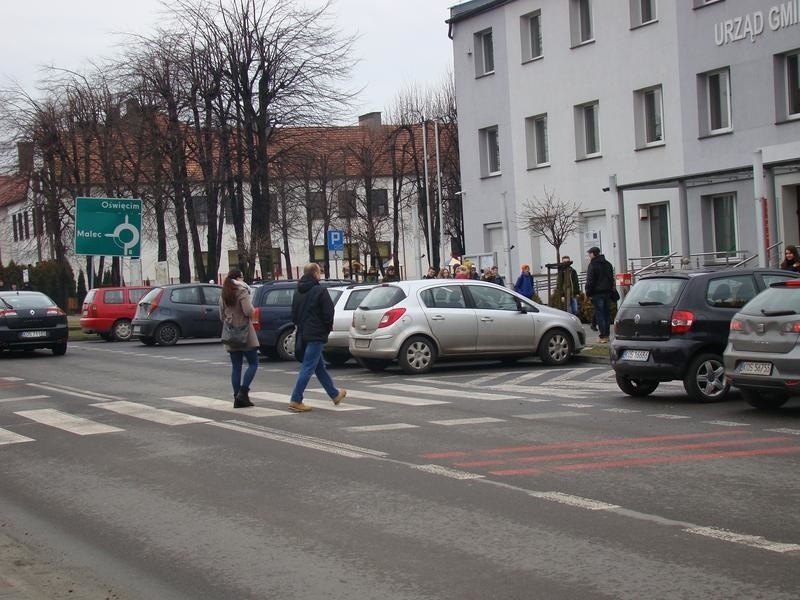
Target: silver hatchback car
[
  {"x": 336, "y": 351},
  {"x": 418, "y": 322}
]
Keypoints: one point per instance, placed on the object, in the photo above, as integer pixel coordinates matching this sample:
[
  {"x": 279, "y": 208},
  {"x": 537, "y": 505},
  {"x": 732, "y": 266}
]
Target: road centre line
[
  {"x": 12, "y": 379},
  {"x": 149, "y": 413},
  {"x": 623, "y": 411},
  {"x": 445, "y": 472},
  {"x": 66, "y": 422},
  {"x": 432, "y": 391},
  {"x": 748, "y": 540},
  {"x": 571, "y": 500},
  {"x": 70, "y": 392},
  {"x": 727, "y": 424},
  {"x": 9, "y": 437},
  {"x": 784, "y": 430},
  {"x": 18, "y": 398}
]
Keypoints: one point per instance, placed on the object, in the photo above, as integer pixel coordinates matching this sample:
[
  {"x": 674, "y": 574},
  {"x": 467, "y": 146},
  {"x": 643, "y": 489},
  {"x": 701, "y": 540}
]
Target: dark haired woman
[
  {"x": 235, "y": 308},
  {"x": 791, "y": 261}
]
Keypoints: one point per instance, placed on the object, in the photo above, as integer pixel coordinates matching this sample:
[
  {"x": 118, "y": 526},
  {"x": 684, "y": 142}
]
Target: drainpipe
[{"x": 758, "y": 193}]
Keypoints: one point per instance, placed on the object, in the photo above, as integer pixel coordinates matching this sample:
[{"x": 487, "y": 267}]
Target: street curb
[{"x": 597, "y": 360}]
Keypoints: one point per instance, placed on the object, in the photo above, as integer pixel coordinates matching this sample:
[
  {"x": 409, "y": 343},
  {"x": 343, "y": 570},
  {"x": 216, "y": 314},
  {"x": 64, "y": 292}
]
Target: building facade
[{"x": 651, "y": 115}]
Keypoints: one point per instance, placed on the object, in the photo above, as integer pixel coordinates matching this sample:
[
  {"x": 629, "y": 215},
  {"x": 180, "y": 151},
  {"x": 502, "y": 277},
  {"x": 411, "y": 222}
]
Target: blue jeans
[
  {"x": 313, "y": 364},
  {"x": 602, "y": 312},
  {"x": 237, "y": 357},
  {"x": 573, "y": 305}
]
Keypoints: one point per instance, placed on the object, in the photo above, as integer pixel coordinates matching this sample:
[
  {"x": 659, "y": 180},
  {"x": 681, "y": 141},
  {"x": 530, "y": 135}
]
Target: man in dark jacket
[
  {"x": 312, "y": 314},
  {"x": 599, "y": 285}
]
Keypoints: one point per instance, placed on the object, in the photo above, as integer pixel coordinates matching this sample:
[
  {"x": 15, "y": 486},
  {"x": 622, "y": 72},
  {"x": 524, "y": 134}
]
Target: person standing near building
[
  {"x": 498, "y": 279},
  {"x": 235, "y": 308},
  {"x": 312, "y": 314},
  {"x": 791, "y": 261},
  {"x": 524, "y": 284},
  {"x": 599, "y": 285},
  {"x": 431, "y": 273},
  {"x": 567, "y": 285}
]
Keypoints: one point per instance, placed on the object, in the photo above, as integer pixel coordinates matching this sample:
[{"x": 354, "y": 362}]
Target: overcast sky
[{"x": 401, "y": 41}]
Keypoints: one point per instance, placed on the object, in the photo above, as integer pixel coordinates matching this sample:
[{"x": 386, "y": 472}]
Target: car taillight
[
  {"x": 256, "y": 318},
  {"x": 737, "y": 325},
  {"x": 353, "y": 322},
  {"x": 55, "y": 312},
  {"x": 8, "y": 313},
  {"x": 681, "y": 321},
  {"x": 391, "y": 316},
  {"x": 791, "y": 327},
  {"x": 154, "y": 303}
]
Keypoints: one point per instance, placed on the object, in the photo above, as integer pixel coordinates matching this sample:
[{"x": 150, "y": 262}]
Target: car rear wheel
[
  {"x": 285, "y": 345},
  {"x": 636, "y": 387},
  {"x": 764, "y": 399},
  {"x": 555, "y": 348},
  {"x": 59, "y": 350},
  {"x": 417, "y": 355},
  {"x": 122, "y": 330},
  {"x": 705, "y": 380},
  {"x": 167, "y": 334}
]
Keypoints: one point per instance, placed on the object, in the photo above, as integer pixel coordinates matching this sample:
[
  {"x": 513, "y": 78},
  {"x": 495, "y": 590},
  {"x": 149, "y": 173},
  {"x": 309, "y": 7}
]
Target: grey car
[
  {"x": 170, "y": 312},
  {"x": 418, "y": 322},
  {"x": 337, "y": 351},
  {"x": 762, "y": 358}
]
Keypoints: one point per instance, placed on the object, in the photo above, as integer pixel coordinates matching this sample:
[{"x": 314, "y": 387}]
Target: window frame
[
  {"x": 582, "y": 130},
  {"x": 666, "y": 222},
  {"x": 487, "y": 151},
  {"x": 713, "y": 204},
  {"x": 482, "y": 48},
  {"x": 791, "y": 89},
  {"x": 580, "y": 11},
  {"x": 534, "y": 143},
  {"x": 529, "y": 40},
  {"x": 706, "y": 120},
  {"x": 642, "y": 123},
  {"x": 637, "y": 13}
]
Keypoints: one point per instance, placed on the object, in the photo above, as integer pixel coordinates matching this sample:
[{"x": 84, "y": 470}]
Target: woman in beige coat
[{"x": 235, "y": 308}]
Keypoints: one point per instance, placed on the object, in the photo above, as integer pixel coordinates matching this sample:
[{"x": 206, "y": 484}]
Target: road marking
[
  {"x": 70, "y": 391},
  {"x": 570, "y": 375},
  {"x": 296, "y": 439},
  {"x": 753, "y": 541},
  {"x": 390, "y": 398},
  {"x": 577, "y": 405},
  {"x": 668, "y": 416},
  {"x": 432, "y": 391},
  {"x": 386, "y": 427},
  {"x": 451, "y": 473},
  {"x": 553, "y": 392},
  {"x": 478, "y": 381},
  {"x": 571, "y": 500},
  {"x": 551, "y": 415},
  {"x": 66, "y": 422},
  {"x": 317, "y": 404},
  {"x": 148, "y": 413},
  {"x": 784, "y": 430},
  {"x": 17, "y": 398},
  {"x": 527, "y": 377},
  {"x": 606, "y": 375},
  {"x": 624, "y": 411},
  {"x": 728, "y": 424},
  {"x": 473, "y": 421},
  {"x": 12, "y": 379},
  {"x": 9, "y": 437},
  {"x": 221, "y": 405}
]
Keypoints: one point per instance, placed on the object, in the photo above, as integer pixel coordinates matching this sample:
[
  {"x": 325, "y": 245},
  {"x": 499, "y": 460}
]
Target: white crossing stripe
[
  {"x": 527, "y": 377},
  {"x": 66, "y": 422},
  {"x": 565, "y": 391},
  {"x": 9, "y": 437},
  {"x": 551, "y": 415},
  {"x": 478, "y": 381},
  {"x": 404, "y": 400},
  {"x": 784, "y": 430},
  {"x": 669, "y": 416},
  {"x": 17, "y": 398},
  {"x": 570, "y": 375},
  {"x": 624, "y": 411},
  {"x": 577, "y": 405},
  {"x": 148, "y": 413},
  {"x": 70, "y": 391},
  {"x": 432, "y": 391},
  {"x": 727, "y": 423},
  {"x": 12, "y": 379},
  {"x": 754, "y": 541},
  {"x": 473, "y": 421},
  {"x": 221, "y": 405},
  {"x": 605, "y": 375},
  {"x": 386, "y": 427},
  {"x": 318, "y": 404}
]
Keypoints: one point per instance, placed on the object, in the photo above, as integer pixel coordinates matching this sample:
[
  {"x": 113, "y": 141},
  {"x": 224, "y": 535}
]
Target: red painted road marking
[
  {"x": 619, "y": 451},
  {"x": 590, "y": 444},
  {"x": 650, "y": 461}
]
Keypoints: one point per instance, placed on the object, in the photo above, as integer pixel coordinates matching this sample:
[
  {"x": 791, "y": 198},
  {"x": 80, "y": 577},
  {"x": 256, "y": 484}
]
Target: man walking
[
  {"x": 599, "y": 284},
  {"x": 312, "y": 313}
]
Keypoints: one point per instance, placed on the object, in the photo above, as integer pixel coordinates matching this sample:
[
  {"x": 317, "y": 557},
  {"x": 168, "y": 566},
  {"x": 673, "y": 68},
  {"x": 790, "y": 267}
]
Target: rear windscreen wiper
[
  {"x": 650, "y": 303},
  {"x": 778, "y": 313}
]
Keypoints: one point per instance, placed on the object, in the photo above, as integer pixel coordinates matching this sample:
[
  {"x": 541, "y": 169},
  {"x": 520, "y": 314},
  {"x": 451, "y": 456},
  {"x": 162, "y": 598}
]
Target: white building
[{"x": 650, "y": 114}]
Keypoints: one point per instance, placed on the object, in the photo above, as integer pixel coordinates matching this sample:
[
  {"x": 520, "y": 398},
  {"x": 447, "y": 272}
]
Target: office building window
[
  {"x": 379, "y": 203},
  {"x": 347, "y": 204},
  {"x": 587, "y": 130},
  {"x": 200, "y": 205},
  {"x": 580, "y": 17},
  {"x": 648, "y": 117},
  {"x": 531, "y": 35},
  {"x": 484, "y": 53},
  {"x": 723, "y": 223},
  {"x": 787, "y": 88},
  {"x": 316, "y": 205},
  {"x": 715, "y": 94},
  {"x": 536, "y": 141},
  {"x": 489, "y": 151},
  {"x": 658, "y": 217},
  {"x": 642, "y": 12}
]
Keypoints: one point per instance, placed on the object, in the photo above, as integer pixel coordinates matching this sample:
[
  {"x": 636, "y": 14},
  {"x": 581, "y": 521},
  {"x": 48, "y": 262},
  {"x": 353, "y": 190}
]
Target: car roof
[
  {"x": 711, "y": 273},
  {"x": 22, "y": 293},
  {"x": 172, "y": 286}
]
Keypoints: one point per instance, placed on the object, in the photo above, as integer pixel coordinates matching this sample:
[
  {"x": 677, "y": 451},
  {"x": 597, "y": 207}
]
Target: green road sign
[{"x": 108, "y": 226}]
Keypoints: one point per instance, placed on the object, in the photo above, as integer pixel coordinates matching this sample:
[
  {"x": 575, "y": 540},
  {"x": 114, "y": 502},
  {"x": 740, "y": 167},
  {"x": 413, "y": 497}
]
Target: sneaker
[
  {"x": 298, "y": 407},
  {"x": 339, "y": 397},
  {"x": 603, "y": 340}
]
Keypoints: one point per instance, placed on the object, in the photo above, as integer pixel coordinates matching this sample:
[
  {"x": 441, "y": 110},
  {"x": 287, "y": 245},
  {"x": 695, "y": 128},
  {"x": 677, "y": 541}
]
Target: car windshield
[
  {"x": 34, "y": 300},
  {"x": 150, "y": 296},
  {"x": 654, "y": 292},
  {"x": 382, "y": 296},
  {"x": 775, "y": 301}
]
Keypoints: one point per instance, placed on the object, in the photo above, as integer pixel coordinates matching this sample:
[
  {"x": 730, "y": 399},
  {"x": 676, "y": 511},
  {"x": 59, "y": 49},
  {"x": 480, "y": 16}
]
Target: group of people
[{"x": 312, "y": 313}]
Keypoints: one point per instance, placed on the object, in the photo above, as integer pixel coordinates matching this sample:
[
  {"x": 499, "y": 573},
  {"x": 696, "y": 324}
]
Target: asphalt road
[{"x": 476, "y": 481}]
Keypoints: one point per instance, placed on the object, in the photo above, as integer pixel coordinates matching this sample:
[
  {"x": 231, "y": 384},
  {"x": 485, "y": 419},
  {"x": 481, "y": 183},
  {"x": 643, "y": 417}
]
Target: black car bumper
[
  {"x": 667, "y": 360},
  {"x": 45, "y": 338},
  {"x": 144, "y": 328}
]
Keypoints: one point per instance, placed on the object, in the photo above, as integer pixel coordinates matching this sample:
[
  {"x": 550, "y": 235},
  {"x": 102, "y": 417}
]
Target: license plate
[
  {"x": 137, "y": 329},
  {"x": 755, "y": 368},
  {"x": 362, "y": 343},
  {"x": 33, "y": 334},
  {"x": 636, "y": 355}
]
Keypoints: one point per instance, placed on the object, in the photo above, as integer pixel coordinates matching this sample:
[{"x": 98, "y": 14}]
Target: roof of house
[
  {"x": 472, "y": 8},
  {"x": 13, "y": 189}
]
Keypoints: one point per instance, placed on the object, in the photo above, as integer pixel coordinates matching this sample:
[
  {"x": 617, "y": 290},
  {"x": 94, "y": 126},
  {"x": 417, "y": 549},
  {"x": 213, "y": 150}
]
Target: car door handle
[
  {"x": 485, "y": 319},
  {"x": 437, "y": 318}
]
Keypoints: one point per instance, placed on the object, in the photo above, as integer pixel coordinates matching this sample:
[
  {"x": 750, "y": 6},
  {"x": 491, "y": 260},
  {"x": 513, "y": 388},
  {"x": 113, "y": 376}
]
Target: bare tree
[{"x": 552, "y": 218}]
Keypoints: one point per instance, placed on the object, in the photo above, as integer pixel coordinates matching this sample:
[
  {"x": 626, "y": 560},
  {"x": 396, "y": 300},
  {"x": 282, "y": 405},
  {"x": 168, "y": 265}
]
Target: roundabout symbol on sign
[{"x": 133, "y": 234}]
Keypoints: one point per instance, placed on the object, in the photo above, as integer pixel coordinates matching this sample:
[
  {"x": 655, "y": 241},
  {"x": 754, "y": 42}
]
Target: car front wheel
[
  {"x": 555, "y": 347},
  {"x": 59, "y": 350},
  {"x": 167, "y": 334},
  {"x": 764, "y": 399},
  {"x": 285, "y": 345},
  {"x": 705, "y": 380},
  {"x": 417, "y": 355},
  {"x": 636, "y": 387}
]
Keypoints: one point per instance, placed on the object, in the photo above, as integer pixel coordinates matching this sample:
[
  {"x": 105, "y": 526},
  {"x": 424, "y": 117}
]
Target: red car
[{"x": 108, "y": 311}]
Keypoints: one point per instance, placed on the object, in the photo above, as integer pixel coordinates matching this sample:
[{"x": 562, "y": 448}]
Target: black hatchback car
[
  {"x": 170, "y": 312},
  {"x": 675, "y": 327},
  {"x": 31, "y": 320}
]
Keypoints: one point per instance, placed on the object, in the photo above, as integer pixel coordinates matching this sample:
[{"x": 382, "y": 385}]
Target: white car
[{"x": 337, "y": 351}]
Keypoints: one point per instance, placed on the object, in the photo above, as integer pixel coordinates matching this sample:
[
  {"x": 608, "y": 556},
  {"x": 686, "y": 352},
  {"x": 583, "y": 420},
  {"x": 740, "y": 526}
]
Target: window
[
  {"x": 536, "y": 141},
  {"x": 787, "y": 86},
  {"x": 723, "y": 221},
  {"x": 587, "y": 130},
  {"x": 444, "y": 296},
  {"x": 355, "y": 298},
  {"x": 316, "y": 205},
  {"x": 715, "y": 102},
  {"x": 379, "y": 203},
  {"x": 531, "y": 35},
  {"x": 658, "y": 219},
  {"x": 484, "y": 53},
  {"x": 136, "y": 295},
  {"x": 489, "y": 151},
  {"x": 14, "y": 227},
  {"x": 347, "y": 203},
  {"x": 282, "y": 297},
  {"x": 186, "y": 295},
  {"x": 200, "y": 205},
  {"x": 642, "y": 12},
  {"x": 113, "y": 296},
  {"x": 648, "y": 117},
  {"x": 493, "y": 298},
  {"x": 211, "y": 295},
  {"x": 730, "y": 291},
  {"x": 580, "y": 17}
]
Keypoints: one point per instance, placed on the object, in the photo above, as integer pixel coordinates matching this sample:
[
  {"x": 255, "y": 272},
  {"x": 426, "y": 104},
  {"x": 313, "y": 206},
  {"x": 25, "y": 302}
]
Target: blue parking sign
[{"x": 335, "y": 240}]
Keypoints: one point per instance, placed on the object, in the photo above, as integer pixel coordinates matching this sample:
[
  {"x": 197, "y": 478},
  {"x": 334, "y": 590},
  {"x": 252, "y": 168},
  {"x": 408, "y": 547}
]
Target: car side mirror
[{"x": 522, "y": 308}]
